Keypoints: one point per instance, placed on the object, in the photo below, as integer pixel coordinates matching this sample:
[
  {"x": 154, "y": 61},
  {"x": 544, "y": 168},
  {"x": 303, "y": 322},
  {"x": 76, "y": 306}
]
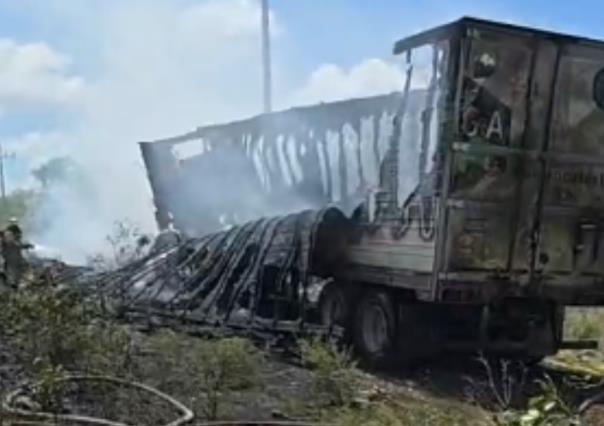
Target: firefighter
[{"x": 12, "y": 253}]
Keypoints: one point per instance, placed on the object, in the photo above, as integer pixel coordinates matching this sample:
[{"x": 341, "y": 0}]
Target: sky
[{"x": 91, "y": 78}]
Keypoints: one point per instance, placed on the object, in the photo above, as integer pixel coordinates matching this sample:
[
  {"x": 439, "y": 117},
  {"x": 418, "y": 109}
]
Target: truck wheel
[
  {"x": 334, "y": 306},
  {"x": 375, "y": 329}
]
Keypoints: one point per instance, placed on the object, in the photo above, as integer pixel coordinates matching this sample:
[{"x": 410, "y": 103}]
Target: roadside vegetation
[
  {"x": 69, "y": 352},
  {"x": 585, "y": 323}
]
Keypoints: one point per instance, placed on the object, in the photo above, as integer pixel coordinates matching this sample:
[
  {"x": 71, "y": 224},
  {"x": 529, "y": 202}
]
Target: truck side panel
[{"x": 573, "y": 199}]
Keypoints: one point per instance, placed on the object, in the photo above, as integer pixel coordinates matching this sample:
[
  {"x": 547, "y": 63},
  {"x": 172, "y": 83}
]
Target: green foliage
[
  {"x": 56, "y": 170},
  {"x": 502, "y": 392},
  {"x": 585, "y": 323},
  {"x": 336, "y": 378},
  {"x": 546, "y": 409},
  {"x": 46, "y": 323},
  {"x": 49, "y": 385},
  {"x": 54, "y": 327},
  {"x": 109, "y": 350},
  {"x": 227, "y": 364},
  {"x": 204, "y": 370}
]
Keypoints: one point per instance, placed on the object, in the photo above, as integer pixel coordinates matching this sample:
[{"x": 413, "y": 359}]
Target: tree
[{"x": 56, "y": 170}]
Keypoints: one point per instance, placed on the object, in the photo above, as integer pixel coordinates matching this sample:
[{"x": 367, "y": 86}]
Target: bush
[
  {"x": 46, "y": 323},
  {"x": 203, "y": 371},
  {"x": 336, "y": 378},
  {"x": 503, "y": 393},
  {"x": 55, "y": 327},
  {"x": 108, "y": 351},
  {"x": 549, "y": 408},
  {"x": 49, "y": 388},
  {"x": 227, "y": 364}
]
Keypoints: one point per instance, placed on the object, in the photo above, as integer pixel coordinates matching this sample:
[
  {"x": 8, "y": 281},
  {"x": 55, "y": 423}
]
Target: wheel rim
[{"x": 376, "y": 333}]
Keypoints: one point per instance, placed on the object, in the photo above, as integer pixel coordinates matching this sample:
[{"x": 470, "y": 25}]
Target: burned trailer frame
[
  {"x": 476, "y": 192},
  {"x": 253, "y": 279},
  {"x": 305, "y": 157}
]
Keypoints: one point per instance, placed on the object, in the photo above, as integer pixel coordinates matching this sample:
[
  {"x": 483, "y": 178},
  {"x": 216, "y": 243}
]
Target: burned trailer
[
  {"x": 257, "y": 277},
  {"x": 475, "y": 194}
]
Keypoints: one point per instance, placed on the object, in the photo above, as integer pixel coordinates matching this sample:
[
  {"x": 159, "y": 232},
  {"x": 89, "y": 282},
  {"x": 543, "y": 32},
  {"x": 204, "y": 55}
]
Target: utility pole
[
  {"x": 266, "y": 58},
  {"x": 2, "y": 184},
  {"x": 3, "y": 156}
]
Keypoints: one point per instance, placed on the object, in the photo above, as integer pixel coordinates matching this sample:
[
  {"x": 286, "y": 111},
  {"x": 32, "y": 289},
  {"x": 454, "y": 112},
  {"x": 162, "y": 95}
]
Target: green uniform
[{"x": 12, "y": 253}]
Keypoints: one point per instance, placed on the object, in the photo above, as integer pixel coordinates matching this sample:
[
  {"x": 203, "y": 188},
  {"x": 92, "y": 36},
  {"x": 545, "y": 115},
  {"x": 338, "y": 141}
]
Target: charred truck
[{"x": 474, "y": 196}]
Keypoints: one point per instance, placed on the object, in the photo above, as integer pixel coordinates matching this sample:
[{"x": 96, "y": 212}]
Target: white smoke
[{"x": 164, "y": 69}]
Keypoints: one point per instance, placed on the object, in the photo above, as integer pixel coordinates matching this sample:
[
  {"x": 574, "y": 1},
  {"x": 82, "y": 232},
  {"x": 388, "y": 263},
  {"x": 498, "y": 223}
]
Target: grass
[{"x": 585, "y": 323}]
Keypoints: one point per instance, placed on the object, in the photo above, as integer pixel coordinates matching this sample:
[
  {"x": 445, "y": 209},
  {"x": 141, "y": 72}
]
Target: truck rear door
[
  {"x": 495, "y": 114},
  {"x": 526, "y": 195}
]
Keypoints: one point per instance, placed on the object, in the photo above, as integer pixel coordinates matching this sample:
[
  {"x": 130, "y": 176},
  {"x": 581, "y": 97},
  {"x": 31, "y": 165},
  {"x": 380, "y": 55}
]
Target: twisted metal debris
[{"x": 252, "y": 277}]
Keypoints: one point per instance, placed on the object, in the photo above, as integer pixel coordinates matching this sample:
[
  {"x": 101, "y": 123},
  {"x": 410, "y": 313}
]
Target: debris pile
[{"x": 253, "y": 277}]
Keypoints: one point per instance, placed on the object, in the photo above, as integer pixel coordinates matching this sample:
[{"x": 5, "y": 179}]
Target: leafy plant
[
  {"x": 204, "y": 371},
  {"x": 46, "y": 323},
  {"x": 110, "y": 350},
  {"x": 226, "y": 364},
  {"x": 335, "y": 375},
  {"x": 126, "y": 245},
  {"x": 546, "y": 409},
  {"x": 49, "y": 387}
]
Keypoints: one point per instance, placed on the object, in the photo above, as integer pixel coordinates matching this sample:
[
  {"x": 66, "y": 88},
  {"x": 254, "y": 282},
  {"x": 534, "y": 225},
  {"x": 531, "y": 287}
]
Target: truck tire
[
  {"x": 334, "y": 306},
  {"x": 375, "y": 329}
]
